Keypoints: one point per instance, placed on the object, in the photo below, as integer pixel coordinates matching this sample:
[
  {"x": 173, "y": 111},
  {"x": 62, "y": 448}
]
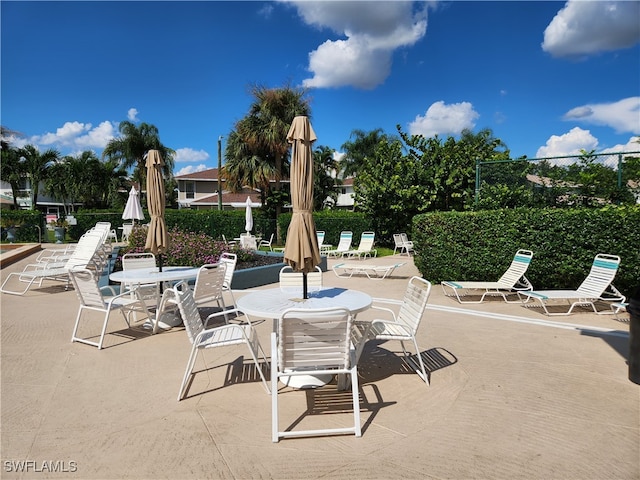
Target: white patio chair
[
  {"x": 343, "y": 245},
  {"x": 402, "y": 244},
  {"x": 248, "y": 241},
  {"x": 222, "y": 336},
  {"x": 292, "y": 281},
  {"x": 511, "y": 281},
  {"x": 313, "y": 342},
  {"x": 209, "y": 285},
  {"x": 266, "y": 243},
  {"x": 149, "y": 292},
  {"x": 92, "y": 300},
  {"x": 402, "y": 325},
  {"x": 230, "y": 260},
  {"x": 597, "y": 286}
]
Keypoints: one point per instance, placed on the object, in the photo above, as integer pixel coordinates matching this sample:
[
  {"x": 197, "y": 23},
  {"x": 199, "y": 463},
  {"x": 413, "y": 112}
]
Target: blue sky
[{"x": 548, "y": 78}]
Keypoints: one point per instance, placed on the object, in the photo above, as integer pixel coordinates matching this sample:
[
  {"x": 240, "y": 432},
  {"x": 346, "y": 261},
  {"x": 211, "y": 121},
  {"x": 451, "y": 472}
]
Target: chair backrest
[
  {"x": 188, "y": 309},
  {"x": 291, "y": 280},
  {"x": 86, "y": 288},
  {"x": 314, "y": 339},
  {"x": 517, "y": 269},
  {"x": 320, "y": 235},
  {"x": 230, "y": 260},
  {"x": 209, "y": 283},
  {"x": 603, "y": 271},
  {"x": 366, "y": 241},
  {"x": 127, "y": 228},
  {"x": 397, "y": 240},
  {"x": 345, "y": 241},
  {"x": 132, "y": 261},
  {"x": 404, "y": 238},
  {"x": 87, "y": 246},
  {"x": 268, "y": 242},
  {"x": 414, "y": 303}
]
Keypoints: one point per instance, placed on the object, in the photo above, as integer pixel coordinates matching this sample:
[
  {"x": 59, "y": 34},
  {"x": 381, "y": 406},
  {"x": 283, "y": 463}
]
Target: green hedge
[
  {"x": 30, "y": 225},
  {"x": 333, "y": 222},
  {"x": 480, "y": 245}
]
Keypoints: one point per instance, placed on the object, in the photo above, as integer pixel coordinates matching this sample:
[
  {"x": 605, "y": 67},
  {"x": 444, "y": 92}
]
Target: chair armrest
[
  {"x": 110, "y": 289},
  {"x": 225, "y": 314}
]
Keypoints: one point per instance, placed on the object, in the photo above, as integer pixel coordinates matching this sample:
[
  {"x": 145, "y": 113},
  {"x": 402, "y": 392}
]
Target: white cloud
[
  {"x": 373, "y": 31},
  {"x": 189, "y": 155},
  {"x": 623, "y": 115},
  {"x": 588, "y": 27},
  {"x": 191, "y": 169},
  {"x": 633, "y": 145},
  {"x": 132, "y": 114},
  {"x": 77, "y": 136},
  {"x": 569, "y": 143},
  {"x": 442, "y": 119}
]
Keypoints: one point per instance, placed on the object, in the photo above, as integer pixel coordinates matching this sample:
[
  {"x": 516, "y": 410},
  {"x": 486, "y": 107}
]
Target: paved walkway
[{"x": 513, "y": 394}]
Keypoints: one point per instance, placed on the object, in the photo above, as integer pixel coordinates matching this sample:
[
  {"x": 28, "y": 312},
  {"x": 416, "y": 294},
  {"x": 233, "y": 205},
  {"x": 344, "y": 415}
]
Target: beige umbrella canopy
[
  {"x": 157, "y": 238},
  {"x": 301, "y": 251}
]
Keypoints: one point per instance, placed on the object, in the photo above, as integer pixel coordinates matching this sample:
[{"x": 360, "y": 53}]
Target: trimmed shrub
[{"x": 480, "y": 245}]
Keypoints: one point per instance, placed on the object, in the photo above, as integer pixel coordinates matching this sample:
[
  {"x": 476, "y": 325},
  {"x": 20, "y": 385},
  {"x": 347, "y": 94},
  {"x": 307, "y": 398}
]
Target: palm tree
[
  {"x": 362, "y": 146},
  {"x": 130, "y": 148},
  {"x": 258, "y": 146},
  {"x": 324, "y": 182},
  {"x": 36, "y": 166},
  {"x": 11, "y": 170}
]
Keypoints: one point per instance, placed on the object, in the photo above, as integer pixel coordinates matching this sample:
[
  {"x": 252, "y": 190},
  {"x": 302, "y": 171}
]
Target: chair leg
[
  {"x": 275, "y": 436},
  {"x": 355, "y": 392},
  {"x": 189, "y": 369},
  {"x": 422, "y": 373},
  {"x": 104, "y": 328}
]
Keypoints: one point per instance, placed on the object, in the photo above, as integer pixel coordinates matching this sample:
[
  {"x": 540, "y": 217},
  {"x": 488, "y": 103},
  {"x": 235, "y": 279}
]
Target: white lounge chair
[
  {"x": 343, "y": 245},
  {"x": 313, "y": 342},
  {"x": 222, "y": 336},
  {"x": 597, "y": 286},
  {"x": 373, "y": 272},
  {"x": 365, "y": 247},
  {"x": 511, "y": 282},
  {"x": 83, "y": 256}
]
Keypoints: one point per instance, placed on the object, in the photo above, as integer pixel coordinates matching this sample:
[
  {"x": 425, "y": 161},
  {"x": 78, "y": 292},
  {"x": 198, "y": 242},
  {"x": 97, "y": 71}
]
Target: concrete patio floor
[{"x": 513, "y": 395}]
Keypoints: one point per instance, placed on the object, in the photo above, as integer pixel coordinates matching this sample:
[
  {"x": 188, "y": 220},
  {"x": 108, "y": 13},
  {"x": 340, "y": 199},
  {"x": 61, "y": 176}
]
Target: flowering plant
[{"x": 59, "y": 222}]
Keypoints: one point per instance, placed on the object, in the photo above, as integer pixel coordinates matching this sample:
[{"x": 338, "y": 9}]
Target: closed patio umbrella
[
  {"x": 157, "y": 238},
  {"x": 133, "y": 209},
  {"x": 301, "y": 250},
  {"x": 248, "y": 216}
]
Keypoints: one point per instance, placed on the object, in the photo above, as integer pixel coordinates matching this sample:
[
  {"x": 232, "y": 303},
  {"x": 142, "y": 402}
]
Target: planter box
[{"x": 265, "y": 275}]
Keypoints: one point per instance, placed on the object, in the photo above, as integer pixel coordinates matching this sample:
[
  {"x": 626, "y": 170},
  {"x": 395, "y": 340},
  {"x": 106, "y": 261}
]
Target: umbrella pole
[{"x": 305, "y": 294}]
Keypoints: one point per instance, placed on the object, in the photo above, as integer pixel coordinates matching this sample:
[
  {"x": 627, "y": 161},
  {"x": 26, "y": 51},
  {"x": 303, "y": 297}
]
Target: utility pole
[{"x": 219, "y": 168}]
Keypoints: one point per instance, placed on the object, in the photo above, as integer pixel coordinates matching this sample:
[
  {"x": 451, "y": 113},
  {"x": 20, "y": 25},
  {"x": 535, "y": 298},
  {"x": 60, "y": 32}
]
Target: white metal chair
[
  {"x": 291, "y": 280},
  {"x": 230, "y": 260},
  {"x": 313, "y": 342},
  {"x": 228, "y": 243},
  {"x": 92, "y": 300},
  {"x": 209, "y": 285},
  {"x": 266, "y": 243},
  {"x": 149, "y": 292},
  {"x": 402, "y": 325},
  {"x": 225, "y": 335}
]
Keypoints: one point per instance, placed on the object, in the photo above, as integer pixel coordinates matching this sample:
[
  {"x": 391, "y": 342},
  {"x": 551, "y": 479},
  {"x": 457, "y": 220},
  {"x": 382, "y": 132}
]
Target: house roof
[
  {"x": 230, "y": 198},
  {"x": 210, "y": 175}
]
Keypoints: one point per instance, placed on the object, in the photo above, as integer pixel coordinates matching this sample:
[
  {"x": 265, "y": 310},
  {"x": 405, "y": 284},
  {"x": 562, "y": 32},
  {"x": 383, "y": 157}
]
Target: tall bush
[{"x": 480, "y": 245}]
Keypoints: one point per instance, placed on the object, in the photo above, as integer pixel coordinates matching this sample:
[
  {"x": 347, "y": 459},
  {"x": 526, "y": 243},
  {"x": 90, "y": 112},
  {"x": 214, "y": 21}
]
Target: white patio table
[
  {"x": 153, "y": 275},
  {"x": 271, "y": 303}
]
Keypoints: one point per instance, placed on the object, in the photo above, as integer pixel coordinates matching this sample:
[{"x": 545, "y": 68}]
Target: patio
[{"x": 513, "y": 394}]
